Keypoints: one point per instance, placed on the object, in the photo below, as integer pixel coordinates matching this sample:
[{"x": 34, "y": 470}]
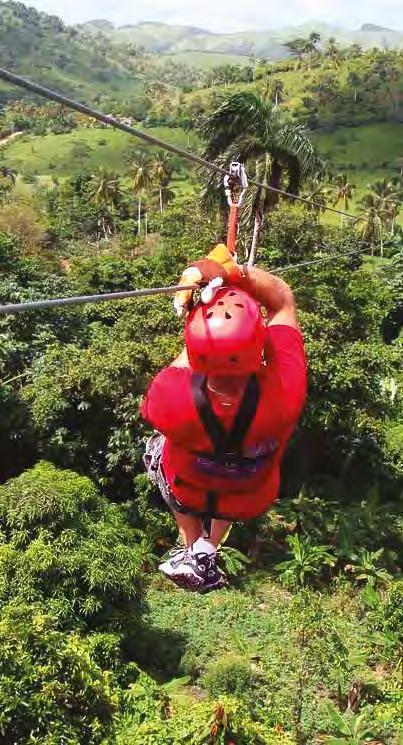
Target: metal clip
[{"x": 235, "y": 184}]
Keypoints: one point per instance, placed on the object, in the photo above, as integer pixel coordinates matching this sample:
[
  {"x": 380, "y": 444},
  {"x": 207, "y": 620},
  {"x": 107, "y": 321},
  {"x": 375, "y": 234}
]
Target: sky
[{"x": 229, "y": 15}]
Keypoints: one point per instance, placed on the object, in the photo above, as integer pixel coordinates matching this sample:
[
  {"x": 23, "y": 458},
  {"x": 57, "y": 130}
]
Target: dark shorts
[{"x": 152, "y": 460}]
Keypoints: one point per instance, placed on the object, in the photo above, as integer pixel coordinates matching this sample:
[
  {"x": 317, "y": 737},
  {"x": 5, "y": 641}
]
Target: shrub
[
  {"x": 307, "y": 561},
  {"x": 393, "y": 612},
  {"x": 229, "y": 674},
  {"x": 158, "y": 718},
  {"x": 66, "y": 548},
  {"x": 51, "y": 688}
]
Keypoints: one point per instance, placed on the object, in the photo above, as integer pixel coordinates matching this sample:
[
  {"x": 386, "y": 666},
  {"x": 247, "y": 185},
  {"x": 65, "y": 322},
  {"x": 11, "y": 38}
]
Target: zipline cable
[
  {"x": 14, "y": 308},
  {"x": 289, "y": 267},
  {"x": 29, "y": 85}
]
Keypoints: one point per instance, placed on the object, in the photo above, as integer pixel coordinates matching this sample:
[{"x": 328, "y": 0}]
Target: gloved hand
[{"x": 218, "y": 268}]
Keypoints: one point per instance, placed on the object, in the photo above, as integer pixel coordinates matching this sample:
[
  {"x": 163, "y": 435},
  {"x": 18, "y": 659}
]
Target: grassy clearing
[
  {"x": 205, "y": 60},
  {"x": 367, "y": 154},
  {"x": 258, "y": 640},
  {"x": 373, "y": 149},
  {"x": 249, "y": 619},
  {"x": 65, "y": 154}
]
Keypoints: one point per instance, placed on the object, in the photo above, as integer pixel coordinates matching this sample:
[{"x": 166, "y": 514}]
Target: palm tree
[
  {"x": 355, "y": 50},
  {"x": 372, "y": 221},
  {"x": 165, "y": 195},
  {"x": 104, "y": 192},
  {"x": 390, "y": 194},
  {"x": 246, "y": 128},
  {"x": 310, "y": 47},
  {"x": 326, "y": 88},
  {"x": 354, "y": 80},
  {"x": 296, "y": 47},
  {"x": 274, "y": 90},
  {"x": 161, "y": 172},
  {"x": 392, "y": 213},
  {"x": 141, "y": 177},
  {"x": 343, "y": 193},
  {"x": 8, "y": 177},
  {"x": 383, "y": 73},
  {"x": 318, "y": 195},
  {"x": 332, "y": 50},
  {"x": 104, "y": 187}
]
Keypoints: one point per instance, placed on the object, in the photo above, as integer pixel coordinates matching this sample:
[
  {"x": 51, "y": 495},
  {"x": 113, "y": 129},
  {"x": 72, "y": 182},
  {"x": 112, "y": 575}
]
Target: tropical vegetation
[{"x": 305, "y": 647}]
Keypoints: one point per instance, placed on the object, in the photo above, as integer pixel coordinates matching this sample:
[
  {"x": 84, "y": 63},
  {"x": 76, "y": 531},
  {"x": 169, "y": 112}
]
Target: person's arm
[
  {"x": 160, "y": 405},
  {"x": 273, "y": 293},
  {"x": 182, "y": 360},
  {"x": 270, "y": 291}
]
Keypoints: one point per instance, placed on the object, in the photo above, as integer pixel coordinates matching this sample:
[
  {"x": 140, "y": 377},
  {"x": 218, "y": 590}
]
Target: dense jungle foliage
[{"x": 306, "y": 645}]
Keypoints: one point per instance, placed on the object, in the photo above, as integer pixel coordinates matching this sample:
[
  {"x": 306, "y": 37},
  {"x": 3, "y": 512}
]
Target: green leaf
[{"x": 337, "y": 719}]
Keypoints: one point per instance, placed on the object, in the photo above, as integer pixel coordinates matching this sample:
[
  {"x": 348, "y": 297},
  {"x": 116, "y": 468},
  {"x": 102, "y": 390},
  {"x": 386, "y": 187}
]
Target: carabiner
[{"x": 235, "y": 184}]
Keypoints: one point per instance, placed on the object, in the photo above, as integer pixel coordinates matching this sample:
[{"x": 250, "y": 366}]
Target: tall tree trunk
[
  {"x": 139, "y": 216},
  {"x": 275, "y": 181},
  {"x": 103, "y": 226},
  {"x": 146, "y": 223},
  {"x": 161, "y": 206}
]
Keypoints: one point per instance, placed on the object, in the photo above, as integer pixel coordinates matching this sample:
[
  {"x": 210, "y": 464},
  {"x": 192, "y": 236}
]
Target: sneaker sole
[
  {"x": 184, "y": 581},
  {"x": 220, "y": 585}
]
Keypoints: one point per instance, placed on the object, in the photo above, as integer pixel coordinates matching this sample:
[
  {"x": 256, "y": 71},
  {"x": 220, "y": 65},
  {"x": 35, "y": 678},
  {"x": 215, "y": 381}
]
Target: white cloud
[{"x": 226, "y": 16}]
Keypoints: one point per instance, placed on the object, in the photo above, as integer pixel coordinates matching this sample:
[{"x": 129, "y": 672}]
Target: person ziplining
[{"x": 224, "y": 409}]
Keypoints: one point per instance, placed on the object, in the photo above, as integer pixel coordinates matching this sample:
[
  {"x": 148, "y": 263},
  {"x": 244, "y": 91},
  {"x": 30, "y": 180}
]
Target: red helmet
[{"x": 226, "y": 336}]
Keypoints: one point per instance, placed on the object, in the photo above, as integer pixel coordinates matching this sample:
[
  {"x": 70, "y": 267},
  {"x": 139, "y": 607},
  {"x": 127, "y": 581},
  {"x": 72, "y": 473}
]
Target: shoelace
[
  {"x": 206, "y": 562},
  {"x": 174, "y": 553}
]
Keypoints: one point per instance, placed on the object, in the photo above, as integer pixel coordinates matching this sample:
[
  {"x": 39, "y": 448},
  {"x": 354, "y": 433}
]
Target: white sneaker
[
  {"x": 172, "y": 559},
  {"x": 194, "y": 568}
]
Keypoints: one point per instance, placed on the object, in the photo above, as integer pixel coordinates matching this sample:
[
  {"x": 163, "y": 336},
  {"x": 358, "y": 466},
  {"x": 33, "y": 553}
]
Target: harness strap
[
  {"x": 209, "y": 420},
  {"x": 223, "y": 441},
  {"x": 245, "y": 414}
]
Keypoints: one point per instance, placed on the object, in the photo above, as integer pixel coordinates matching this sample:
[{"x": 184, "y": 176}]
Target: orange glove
[{"x": 216, "y": 269}]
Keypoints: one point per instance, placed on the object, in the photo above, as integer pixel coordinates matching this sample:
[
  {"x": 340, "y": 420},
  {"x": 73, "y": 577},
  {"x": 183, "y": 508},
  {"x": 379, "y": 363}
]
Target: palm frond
[
  {"x": 239, "y": 114},
  {"x": 293, "y": 139}
]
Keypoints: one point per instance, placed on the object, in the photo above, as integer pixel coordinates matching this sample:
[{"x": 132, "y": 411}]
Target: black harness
[
  {"x": 227, "y": 446},
  {"x": 226, "y": 443}
]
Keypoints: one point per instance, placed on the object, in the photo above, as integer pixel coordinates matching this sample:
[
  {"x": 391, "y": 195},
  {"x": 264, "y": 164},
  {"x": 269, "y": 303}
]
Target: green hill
[
  {"x": 158, "y": 37},
  {"x": 366, "y": 153},
  {"x": 44, "y": 48},
  {"x": 204, "y": 60},
  {"x": 354, "y": 105}
]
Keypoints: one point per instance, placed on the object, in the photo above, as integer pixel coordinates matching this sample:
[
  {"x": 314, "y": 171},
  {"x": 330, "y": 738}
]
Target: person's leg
[
  {"x": 218, "y": 530},
  {"x": 190, "y": 527},
  {"x": 195, "y": 566}
]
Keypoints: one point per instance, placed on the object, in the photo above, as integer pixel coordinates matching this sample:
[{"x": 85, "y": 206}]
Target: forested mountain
[
  {"x": 162, "y": 37},
  {"x": 43, "y": 47}
]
